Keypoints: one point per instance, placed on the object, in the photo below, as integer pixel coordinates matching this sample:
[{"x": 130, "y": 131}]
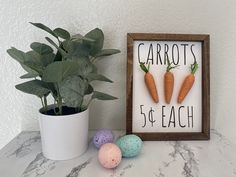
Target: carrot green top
[
  {"x": 144, "y": 68},
  {"x": 194, "y": 67},
  {"x": 169, "y": 67}
]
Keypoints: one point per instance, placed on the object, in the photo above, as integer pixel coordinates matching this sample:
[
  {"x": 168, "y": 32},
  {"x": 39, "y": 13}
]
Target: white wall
[{"x": 116, "y": 18}]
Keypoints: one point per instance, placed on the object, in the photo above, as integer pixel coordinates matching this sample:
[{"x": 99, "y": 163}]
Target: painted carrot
[
  {"x": 150, "y": 83},
  {"x": 169, "y": 82},
  {"x": 188, "y": 83}
]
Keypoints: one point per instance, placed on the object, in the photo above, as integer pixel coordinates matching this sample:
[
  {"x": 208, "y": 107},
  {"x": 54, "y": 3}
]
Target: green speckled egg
[{"x": 130, "y": 145}]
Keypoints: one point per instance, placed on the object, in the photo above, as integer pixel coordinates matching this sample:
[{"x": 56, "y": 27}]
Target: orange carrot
[
  {"x": 188, "y": 83},
  {"x": 169, "y": 82},
  {"x": 150, "y": 83}
]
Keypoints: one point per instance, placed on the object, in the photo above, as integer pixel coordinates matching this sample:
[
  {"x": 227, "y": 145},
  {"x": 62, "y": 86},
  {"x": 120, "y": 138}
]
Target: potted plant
[{"x": 67, "y": 76}]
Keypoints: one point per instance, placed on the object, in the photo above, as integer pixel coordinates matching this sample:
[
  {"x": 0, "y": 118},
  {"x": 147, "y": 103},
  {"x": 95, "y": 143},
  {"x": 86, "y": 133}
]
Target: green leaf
[
  {"x": 79, "y": 37},
  {"x": 107, "y": 52},
  {"x": 38, "y": 62},
  {"x": 47, "y": 59},
  {"x": 99, "y": 77},
  {"x": 45, "y": 28},
  {"x": 59, "y": 70},
  {"x": 34, "y": 61},
  {"x": 89, "y": 90},
  {"x": 33, "y": 57},
  {"x": 29, "y": 70},
  {"x": 34, "y": 87},
  {"x": 34, "y": 66},
  {"x": 62, "y": 33},
  {"x": 28, "y": 61},
  {"x": 73, "y": 90},
  {"x": 98, "y": 36},
  {"x": 41, "y": 48},
  {"x": 102, "y": 96},
  {"x": 85, "y": 67},
  {"x": 16, "y": 54},
  {"x": 63, "y": 53},
  {"x": 29, "y": 75},
  {"x": 75, "y": 49}
]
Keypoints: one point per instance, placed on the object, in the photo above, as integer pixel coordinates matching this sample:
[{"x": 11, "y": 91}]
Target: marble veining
[
  {"x": 23, "y": 157},
  {"x": 39, "y": 166},
  {"x": 121, "y": 172},
  {"x": 190, "y": 167},
  {"x": 76, "y": 170},
  {"x": 25, "y": 146}
]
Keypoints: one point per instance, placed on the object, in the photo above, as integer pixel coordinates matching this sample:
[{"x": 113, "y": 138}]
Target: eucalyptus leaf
[
  {"x": 23, "y": 59},
  {"x": 45, "y": 28},
  {"x": 85, "y": 67},
  {"x": 18, "y": 55},
  {"x": 34, "y": 87},
  {"x": 99, "y": 77},
  {"x": 97, "y": 35},
  {"x": 59, "y": 70},
  {"x": 41, "y": 48},
  {"x": 102, "y": 96},
  {"x": 29, "y": 70},
  {"x": 38, "y": 59},
  {"x": 47, "y": 59},
  {"x": 76, "y": 49},
  {"x": 107, "y": 52},
  {"x": 29, "y": 75},
  {"x": 63, "y": 53},
  {"x": 62, "y": 33},
  {"x": 28, "y": 60},
  {"x": 33, "y": 57},
  {"x": 34, "y": 61},
  {"x": 73, "y": 90},
  {"x": 34, "y": 66},
  {"x": 79, "y": 37},
  {"x": 81, "y": 50}
]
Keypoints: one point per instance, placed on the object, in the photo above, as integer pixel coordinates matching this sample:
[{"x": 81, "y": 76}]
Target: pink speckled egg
[{"x": 109, "y": 155}]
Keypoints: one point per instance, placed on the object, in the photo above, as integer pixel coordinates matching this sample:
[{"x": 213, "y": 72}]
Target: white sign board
[{"x": 149, "y": 116}]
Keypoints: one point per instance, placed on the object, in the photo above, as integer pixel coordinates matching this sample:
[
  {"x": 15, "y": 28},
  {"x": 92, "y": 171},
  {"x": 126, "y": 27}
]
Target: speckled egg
[
  {"x": 109, "y": 155},
  {"x": 103, "y": 136},
  {"x": 130, "y": 145}
]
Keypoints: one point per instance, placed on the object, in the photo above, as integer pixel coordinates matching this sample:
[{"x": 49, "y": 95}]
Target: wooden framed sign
[{"x": 168, "y": 86}]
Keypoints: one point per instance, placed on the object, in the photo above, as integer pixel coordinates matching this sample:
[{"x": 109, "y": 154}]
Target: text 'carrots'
[
  {"x": 150, "y": 83},
  {"x": 169, "y": 82},
  {"x": 188, "y": 83}
]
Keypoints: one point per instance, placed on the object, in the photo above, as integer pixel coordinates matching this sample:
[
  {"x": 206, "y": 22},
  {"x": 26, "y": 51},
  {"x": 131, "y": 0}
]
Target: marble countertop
[{"x": 22, "y": 157}]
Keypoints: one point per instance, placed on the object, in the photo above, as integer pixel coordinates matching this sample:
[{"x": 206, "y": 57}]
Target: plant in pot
[{"x": 67, "y": 76}]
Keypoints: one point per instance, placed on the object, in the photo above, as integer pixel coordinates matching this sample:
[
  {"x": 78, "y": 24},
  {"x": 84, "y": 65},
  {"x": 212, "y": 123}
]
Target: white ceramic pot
[{"x": 64, "y": 137}]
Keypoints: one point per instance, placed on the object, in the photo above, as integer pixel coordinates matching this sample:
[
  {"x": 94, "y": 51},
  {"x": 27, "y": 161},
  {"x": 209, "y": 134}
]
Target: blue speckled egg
[
  {"x": 130, "y": 145},
  {"x": 103, "y": 136}
]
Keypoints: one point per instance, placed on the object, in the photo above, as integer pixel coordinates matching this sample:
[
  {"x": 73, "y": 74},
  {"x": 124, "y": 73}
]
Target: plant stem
[
  {"x": 54, "y": 108},
  {"x": 42, "y": 103},
  {"x": 45, "y": 104},
  {"x": 59, "y": 104},
  {"x": 59, "y": 100}
]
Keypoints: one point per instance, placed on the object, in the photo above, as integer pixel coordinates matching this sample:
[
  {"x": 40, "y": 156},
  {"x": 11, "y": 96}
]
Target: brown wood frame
[{"x": 205, "y": 39}]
